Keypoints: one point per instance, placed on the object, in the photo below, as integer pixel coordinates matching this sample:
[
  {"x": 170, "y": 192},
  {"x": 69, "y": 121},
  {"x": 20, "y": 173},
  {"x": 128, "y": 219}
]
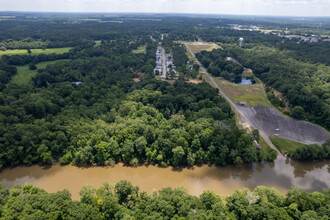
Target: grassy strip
[
  {"x": 267, "y": 152},
  {"x": 141, "y": 49},
  {"x": 36, "y": 51},
  {"x": 24, "y": 74},
  {"x": 286, "y": 146}
]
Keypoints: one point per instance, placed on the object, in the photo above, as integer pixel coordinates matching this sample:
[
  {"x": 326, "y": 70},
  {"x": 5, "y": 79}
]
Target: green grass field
[
  {"x": 199, "y": 46},
  {"x": 24, "y": 74},
  {"x": 141, "y": 49},
  {"x": 36, "y": 51},
  {"x": 286, "y": 146},
  {"x": 251, "y": 94}
]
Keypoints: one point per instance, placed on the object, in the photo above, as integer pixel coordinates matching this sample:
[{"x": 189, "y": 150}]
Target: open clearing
[
  {"x": 36, "y": 51},
  {"x": 253, "y": 95},
  {"x": 195, "y": 81},
  {"x": 268, "y": 119},
  {"x": 24, "y": 74},
  {"x": 286, "y": 146},
  {"x": 199, "y": 46},
  {"x": 140, "y": 49}
]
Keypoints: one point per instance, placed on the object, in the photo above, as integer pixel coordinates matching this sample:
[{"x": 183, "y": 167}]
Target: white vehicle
[
  {"x": 275, "y": 135},
  {"x": 277, "y": 129}
]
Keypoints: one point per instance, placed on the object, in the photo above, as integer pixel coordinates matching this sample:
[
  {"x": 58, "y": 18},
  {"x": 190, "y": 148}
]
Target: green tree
[
  {"x": 178, "y": 155},
  {"x": 124, "y": 189},
  {"x": 255, "y": 134},
  {"x": 298, "y": 112}
]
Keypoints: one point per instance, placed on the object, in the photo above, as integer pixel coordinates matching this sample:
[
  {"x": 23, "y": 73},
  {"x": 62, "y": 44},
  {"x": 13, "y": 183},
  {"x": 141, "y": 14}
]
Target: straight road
[
  {"x": 242, "y": 114},
  {"x": 164, "y": 63}
]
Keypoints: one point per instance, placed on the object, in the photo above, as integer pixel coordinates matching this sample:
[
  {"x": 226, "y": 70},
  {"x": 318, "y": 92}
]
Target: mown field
[
  {"x": 199, "y": 46},
  {"x": 36, "y": 51},
  {"x": 286, "y": 146},
  {"x": 251, "y": 94},
  {"x": 24, "y": 74},
  {"x": 141, "y": 49}
]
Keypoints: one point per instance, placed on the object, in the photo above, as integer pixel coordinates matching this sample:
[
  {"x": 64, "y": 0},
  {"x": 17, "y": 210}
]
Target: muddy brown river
[{"x": 282, "y": 174}]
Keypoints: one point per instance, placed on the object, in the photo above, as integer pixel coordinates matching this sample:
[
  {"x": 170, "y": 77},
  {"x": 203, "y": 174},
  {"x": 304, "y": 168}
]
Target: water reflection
[
  {"x": 242, "y": 81},
  {"x": 281, "y": 174}
]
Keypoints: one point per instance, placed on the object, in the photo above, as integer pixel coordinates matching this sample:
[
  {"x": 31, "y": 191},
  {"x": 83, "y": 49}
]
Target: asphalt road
[
  {"x": 164, "y": 63},
  {"x": 268, "y": 119}
]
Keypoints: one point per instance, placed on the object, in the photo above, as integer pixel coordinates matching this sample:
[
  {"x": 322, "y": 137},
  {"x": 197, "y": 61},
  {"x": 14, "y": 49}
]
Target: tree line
[
  {"x": 125, "y": 201},
  {"x": 216, "y": 64}
]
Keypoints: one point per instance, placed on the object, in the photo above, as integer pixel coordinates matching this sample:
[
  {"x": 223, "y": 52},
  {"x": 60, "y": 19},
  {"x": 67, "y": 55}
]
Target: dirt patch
[
  {"x": 136, "y": 79},
  {"x": 280, "y": 97},
  {"x": 195, "y": 81}
]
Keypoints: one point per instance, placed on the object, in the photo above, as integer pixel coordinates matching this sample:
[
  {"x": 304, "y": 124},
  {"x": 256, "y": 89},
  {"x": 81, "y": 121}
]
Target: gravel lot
[{"x": 269, "y": 119}]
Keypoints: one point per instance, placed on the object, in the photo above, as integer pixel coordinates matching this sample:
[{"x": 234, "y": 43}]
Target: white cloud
[{"x": 257, "y": 7}]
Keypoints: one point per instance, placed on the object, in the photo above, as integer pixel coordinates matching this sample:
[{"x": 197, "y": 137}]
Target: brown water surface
[{"x": 282, "y": 174}]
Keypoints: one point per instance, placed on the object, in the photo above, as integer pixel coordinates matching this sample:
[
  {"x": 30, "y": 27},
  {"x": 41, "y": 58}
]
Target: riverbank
[{"x": 281, "y": 174}]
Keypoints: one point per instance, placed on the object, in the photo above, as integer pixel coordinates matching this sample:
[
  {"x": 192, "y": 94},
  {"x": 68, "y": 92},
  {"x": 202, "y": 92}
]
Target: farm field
[
  {"x": 24, "y": 74},
  {"x": 36, "y": 51}
]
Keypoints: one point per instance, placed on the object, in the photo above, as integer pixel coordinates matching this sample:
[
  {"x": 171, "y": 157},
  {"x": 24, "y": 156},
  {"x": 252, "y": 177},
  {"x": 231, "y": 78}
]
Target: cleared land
[
  {"x": 286, "y": 146},
  {"x": 141, "y": 49},
  {"x": 253, "y": 95},
  {"x": 36, "y": 51},
  {"x": 24, "y": 74},
  {"x": 199, "y": 46},
  {"x": 268, "y": 119},
  {"x": 195, "y": 81}
]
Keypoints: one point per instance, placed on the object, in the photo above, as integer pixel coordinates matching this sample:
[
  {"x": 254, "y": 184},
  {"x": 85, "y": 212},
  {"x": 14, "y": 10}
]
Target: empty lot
[{"x": 269, "y": 119}]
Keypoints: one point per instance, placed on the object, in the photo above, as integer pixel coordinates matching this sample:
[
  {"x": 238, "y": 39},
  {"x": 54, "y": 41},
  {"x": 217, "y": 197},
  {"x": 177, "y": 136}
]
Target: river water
[{"x": 281, "y": 174}]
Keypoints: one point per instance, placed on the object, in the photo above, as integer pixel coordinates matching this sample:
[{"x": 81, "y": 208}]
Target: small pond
[{"x": 243, "y": 81}]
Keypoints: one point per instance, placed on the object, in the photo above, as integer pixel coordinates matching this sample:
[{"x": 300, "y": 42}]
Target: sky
[{"x": 240, "y": 7}]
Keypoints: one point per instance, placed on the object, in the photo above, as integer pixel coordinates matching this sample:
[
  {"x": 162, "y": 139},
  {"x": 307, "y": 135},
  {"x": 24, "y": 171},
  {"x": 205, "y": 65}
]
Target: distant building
[
  {"x": 77, "y": 82},
  {"x": 3, "y": 48},
  {"x": 314, "y": 40}
]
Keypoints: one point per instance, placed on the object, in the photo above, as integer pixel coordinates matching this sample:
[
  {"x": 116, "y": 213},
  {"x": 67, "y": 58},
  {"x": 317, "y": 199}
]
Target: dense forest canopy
[
  {"x": 87, "y": 109},
  {"x": 109, "y": 118},
  {"x": 125, "y": 201}
]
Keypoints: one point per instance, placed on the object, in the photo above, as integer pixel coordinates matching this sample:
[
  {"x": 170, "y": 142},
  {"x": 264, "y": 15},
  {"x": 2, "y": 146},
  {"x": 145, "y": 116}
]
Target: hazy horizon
[{"x": 299, "y": 8}]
